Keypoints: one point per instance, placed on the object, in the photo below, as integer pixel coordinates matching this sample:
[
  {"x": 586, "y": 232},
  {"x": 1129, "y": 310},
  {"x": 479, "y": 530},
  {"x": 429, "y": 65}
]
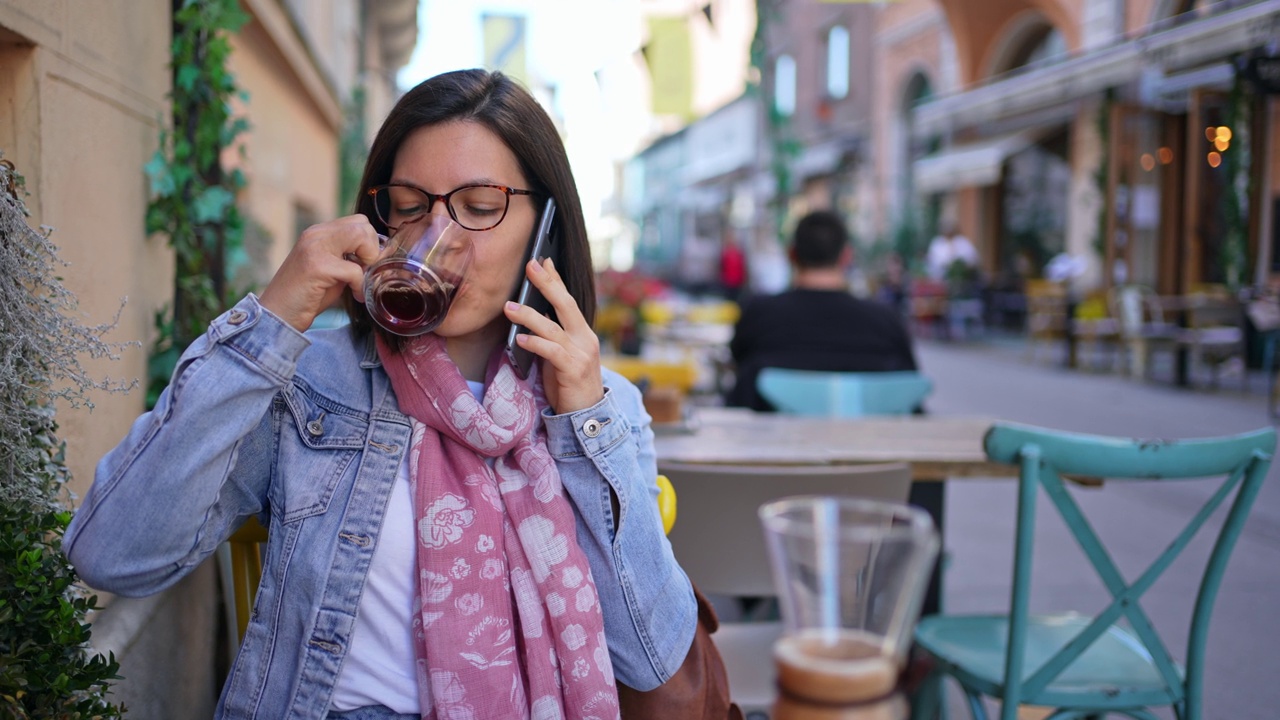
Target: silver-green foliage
[
  {"x": 41, "y": 346},
  {"x": 46, "y": 670}
]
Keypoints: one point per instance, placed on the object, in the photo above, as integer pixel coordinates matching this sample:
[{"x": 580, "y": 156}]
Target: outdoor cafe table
[{"x": 937, "y": 448}]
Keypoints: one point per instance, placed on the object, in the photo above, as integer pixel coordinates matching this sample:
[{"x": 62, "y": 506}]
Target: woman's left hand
[{"x": 570, "y": 350}]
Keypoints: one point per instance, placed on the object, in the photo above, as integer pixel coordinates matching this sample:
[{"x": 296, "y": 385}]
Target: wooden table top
[{"x": 937, "y": 448}]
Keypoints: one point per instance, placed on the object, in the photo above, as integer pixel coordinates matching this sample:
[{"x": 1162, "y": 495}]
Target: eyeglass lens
[{"x": 474, "y": 207}]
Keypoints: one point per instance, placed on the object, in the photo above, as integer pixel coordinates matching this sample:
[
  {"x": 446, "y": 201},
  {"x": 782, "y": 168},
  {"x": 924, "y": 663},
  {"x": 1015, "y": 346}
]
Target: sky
[{"x": 572, "y": 44}]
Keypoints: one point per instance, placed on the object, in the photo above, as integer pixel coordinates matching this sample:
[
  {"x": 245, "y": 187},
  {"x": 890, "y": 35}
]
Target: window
[
  {"x": 784, "y": 85},
  {"x": 838, "y": 62}
]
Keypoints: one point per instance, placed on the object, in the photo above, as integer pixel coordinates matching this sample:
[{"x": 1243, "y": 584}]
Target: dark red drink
[
  {"x": 412, "y": 304},
  {"x": 409, "y": 290}
]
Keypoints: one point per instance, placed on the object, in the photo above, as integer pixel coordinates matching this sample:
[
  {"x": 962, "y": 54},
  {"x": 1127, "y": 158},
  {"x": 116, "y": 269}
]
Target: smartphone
[{"x": 544, "y": 243}]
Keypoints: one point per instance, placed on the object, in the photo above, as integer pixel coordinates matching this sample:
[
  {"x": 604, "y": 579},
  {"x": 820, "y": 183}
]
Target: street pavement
[{"x": 997, "y": 378}]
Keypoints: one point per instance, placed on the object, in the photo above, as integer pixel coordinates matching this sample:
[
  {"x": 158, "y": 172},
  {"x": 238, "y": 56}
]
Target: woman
[{"x": 446, "y": 539}]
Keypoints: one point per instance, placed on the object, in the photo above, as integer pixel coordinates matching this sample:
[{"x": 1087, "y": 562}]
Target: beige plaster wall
[
  {"x": 1137, "y": 15},
  {"x": 83, "y": 86},
  {"x": 291, "y": 151}
]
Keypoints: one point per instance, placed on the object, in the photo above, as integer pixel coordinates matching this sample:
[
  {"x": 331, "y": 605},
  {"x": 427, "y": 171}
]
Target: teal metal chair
[
  {"x": 843, "y": 394},
  {"x": 1082, "y": 665}
]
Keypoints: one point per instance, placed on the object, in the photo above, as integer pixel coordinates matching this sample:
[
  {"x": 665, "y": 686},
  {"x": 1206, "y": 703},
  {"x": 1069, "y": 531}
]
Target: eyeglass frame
[{"x": 448, "y": 206}]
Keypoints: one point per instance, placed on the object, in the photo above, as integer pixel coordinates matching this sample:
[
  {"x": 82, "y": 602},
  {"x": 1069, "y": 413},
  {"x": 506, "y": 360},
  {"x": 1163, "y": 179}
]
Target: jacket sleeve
[
  {"x": 606, "y": 452},
  {"x": 189, "y": 471}
]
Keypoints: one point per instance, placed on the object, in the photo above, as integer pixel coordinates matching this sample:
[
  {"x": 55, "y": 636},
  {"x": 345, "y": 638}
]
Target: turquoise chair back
[
  {"x": 843, "y": 394},
  {"x": 1112, "y": 660}
]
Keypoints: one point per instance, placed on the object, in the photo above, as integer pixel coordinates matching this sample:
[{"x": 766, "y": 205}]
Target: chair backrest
[
  {"x": 1238, "y": 463},
  {"x": 241, "y": 565},
  {"x": 1212, "y": 311},
  {"x": 843, "y": 394},
  {"x": 719, "y": 540}
]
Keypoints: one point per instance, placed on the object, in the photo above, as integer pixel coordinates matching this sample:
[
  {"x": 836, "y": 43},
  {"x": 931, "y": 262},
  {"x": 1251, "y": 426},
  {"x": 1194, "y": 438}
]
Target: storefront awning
[
  {"x": 1207, "y": 39},
  {"x": 974, "y": 164}
]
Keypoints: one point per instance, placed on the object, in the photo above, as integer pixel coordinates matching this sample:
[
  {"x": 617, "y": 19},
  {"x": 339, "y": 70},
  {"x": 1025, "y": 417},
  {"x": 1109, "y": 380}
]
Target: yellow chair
[
  {"x": 725, "y": 312},
  {"x": 1046, "y": 314},
  {"x": 240, "y": 558},
  {"x": 679, "y": 375}
]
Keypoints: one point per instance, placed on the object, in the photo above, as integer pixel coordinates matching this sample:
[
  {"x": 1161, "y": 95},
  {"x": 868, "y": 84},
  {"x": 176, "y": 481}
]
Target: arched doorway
[{"x": 1031, "y": 202}]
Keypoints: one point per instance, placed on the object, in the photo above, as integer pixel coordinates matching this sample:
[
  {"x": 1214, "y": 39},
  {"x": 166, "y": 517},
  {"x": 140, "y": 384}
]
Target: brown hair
[{"x": 508, "y": 110}]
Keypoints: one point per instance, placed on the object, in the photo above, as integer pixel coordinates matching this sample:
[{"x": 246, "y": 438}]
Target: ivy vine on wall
[
  {"x": 193, "y": 195},
  {"x": 1237, "y": 189},
  {"x": 783, "y": 145}
]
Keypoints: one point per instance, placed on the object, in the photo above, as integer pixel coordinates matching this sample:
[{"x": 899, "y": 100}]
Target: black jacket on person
[{"x": 805, "y": 329}]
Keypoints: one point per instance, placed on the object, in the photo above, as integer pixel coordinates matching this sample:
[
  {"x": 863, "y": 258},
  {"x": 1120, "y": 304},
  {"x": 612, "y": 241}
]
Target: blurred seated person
[
  {"x": 948, "y": 248},
  {"x": 816, "y": 324},
  {"x": 892, "y": 290}
]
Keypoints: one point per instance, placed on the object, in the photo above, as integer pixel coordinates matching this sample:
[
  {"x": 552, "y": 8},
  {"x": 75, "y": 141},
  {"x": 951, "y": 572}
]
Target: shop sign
[{"x": 1264, "y": 71}]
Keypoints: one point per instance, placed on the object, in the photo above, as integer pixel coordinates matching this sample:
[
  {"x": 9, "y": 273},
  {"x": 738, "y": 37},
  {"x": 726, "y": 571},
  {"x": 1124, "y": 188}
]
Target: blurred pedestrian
[
  {"x": 733, "y": 268},
  {"x": 948, "y": 248},
  {"x": 817, "y": 324},
  {"x": 893, "y": 289}
]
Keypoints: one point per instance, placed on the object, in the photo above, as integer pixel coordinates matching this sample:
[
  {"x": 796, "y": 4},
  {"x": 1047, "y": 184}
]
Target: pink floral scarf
[{"x": 509, "y": 623}]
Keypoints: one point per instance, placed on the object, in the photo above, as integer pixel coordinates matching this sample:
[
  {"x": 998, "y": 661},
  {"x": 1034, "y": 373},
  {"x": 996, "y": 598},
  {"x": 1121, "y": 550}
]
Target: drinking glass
[
  {"x": 411, "y": 286},
  {"x": 851, "y": 576}
]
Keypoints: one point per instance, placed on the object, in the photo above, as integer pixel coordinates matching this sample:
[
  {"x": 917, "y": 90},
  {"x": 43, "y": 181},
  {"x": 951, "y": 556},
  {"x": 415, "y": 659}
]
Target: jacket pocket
[{"x": 320, "y": 441}]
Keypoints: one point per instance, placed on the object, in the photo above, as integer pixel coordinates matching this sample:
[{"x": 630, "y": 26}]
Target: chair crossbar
[{"x": 1125, "y": 596}]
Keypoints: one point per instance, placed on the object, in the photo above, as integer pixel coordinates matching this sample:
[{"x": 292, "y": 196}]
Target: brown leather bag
[{"x": 700, "y": 688}]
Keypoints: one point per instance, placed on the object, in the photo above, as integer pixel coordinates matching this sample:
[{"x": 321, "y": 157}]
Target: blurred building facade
[
  {"x": 83, "y": 87},
  {"x": 692, "y": 180},
  {"x": 1113, "y": 131},
  {"x": 1110, "y": 131}
]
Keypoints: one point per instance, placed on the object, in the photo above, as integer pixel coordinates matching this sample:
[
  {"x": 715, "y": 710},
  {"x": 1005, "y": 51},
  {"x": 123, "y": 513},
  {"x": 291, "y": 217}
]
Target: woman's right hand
[{"x": 327, "y": 259}]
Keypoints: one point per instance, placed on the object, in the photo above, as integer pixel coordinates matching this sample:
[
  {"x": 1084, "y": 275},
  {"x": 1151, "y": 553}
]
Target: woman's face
[{"x": 441, "y": 158}]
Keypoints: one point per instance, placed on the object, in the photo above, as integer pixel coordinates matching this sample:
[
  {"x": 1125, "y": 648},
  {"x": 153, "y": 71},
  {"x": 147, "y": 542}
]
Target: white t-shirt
[
  {"x": 944, "y": 251},
  {"x": 379, "y": 667}
]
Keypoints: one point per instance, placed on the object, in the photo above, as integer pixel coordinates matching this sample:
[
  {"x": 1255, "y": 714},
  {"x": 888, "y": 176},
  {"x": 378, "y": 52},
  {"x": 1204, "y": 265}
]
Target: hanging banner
[
  {"x": 506, "y": 45},
  {"x": 669, "y": 55}
]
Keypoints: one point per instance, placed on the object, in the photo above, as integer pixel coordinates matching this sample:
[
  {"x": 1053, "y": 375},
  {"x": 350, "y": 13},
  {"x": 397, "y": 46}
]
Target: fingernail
[
  {"x": 537, "y": 267},
  {"x": 513, "y": 305}
]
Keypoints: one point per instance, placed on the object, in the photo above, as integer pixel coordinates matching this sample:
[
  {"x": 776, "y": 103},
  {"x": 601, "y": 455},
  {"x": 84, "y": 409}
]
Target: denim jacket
[{"x": 304, "y": 431}]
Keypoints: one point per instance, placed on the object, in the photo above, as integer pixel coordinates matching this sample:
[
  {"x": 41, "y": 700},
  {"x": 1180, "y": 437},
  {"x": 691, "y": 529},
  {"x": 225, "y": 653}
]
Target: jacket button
[
  {"x": 591, "y": 428},
  {"x": 315, "y": 427},
  {"x": 237, "y": 316}
]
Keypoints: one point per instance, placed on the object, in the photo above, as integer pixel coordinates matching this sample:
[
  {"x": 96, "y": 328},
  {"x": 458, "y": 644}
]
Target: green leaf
[
  {"x": 210, "y": 204},
  {"x": 188, "y": 75},
  {"x": 157, "y": 170}
]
